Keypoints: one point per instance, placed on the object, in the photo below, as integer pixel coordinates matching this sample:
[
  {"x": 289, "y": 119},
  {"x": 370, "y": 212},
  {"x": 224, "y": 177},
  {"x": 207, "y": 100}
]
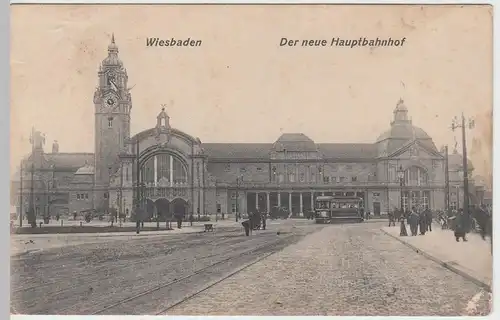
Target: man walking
[
  {"x": 422, "y": 223},
  {"x": 460, "y": 226},
  {"x": 428, "y": 218},
  {"x": 413, "y": 222},
  {"x": 391, "y": 218}
]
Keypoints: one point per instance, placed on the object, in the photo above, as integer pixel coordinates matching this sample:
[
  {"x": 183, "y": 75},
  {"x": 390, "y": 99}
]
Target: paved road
[
  {"x": 333, "y": 270},
  {"x": 141, "y": 275},
  {"x": 351, "y": 270}
]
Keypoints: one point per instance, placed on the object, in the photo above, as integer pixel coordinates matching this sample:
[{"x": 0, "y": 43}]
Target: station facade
[{"x": 173, "y": 172}]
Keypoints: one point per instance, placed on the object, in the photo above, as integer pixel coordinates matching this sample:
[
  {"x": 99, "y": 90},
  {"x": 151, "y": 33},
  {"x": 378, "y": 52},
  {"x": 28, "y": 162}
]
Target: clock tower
[{"x": 112, "y": 103}]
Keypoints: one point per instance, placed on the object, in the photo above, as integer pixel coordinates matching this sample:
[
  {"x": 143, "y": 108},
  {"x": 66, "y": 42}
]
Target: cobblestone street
[
  {"x": 351, "y": 270},
  {"x": 136, "y": 274}
]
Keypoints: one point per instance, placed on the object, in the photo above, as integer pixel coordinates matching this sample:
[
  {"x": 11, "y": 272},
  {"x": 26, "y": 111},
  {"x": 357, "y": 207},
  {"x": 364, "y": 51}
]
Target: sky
[{"x": 241, "y": 86}]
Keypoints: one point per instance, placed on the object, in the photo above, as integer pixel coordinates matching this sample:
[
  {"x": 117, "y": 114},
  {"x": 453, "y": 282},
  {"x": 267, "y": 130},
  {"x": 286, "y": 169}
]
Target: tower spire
[{"x": 113, "y": 38}]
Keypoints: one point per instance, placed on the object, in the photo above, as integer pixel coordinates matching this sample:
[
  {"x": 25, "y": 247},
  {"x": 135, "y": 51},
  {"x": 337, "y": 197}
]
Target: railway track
[
  {"x": 65, "y": 283},
  {"x": 150, "y": 301}
]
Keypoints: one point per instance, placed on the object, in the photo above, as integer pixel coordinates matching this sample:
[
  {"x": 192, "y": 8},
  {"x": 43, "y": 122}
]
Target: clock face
[{"x": 111, "y": 101}]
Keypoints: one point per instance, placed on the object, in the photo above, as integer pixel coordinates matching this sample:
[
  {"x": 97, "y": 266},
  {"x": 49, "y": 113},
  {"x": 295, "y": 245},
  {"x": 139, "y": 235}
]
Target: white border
[{"x": 5, "y": 134}]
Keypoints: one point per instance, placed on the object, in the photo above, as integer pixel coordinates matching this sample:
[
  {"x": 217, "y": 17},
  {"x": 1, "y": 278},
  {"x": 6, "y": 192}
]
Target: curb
[{"x": 442, "y": 263}]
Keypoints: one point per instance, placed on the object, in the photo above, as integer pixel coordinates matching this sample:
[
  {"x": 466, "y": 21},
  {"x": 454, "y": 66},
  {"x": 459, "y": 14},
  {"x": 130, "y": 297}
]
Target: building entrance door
[{"x": 376, "y": 208}]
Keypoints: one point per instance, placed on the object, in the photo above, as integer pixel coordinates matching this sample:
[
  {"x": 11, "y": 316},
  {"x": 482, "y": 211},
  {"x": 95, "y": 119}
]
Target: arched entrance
[
  {"x": 179, "y": 207},
  {"x": 163, "y": 209},
  {"x": 150, "y": 210}
]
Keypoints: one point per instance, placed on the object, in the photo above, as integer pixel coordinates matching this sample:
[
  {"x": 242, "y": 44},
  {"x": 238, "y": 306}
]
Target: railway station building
[{"x": 169, "y": 170}]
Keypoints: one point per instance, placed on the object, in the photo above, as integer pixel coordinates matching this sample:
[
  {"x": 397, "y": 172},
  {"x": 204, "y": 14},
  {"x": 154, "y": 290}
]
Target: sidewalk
[
  {"x": 26, "y": 243},
  {"x": 471, "y": 259}
]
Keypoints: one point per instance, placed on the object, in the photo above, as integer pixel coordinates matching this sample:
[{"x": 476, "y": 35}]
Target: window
[
  {"x": 233, "y": 207},
  {"x": 405, "y": 201},
  {"x": 86, "y": 196},
  {"x": 291, "y": 177},
  {"x": 415, "y": 176},
  {"x": 281, "y": 177},
  {"x": 110, "y": 122},
  {"x": 341, "y": 179},
  {"x": 453, "y": 205},
  {"x": 218, "y": 208},
  {"x": 313, "y": 177},
  {"x": 302, "y": 177},
  {"x": 243, "y": 169},
  {"x": 415, "y": 200},
  {"x": 106, "y": 195},
  {"x": 326, "y": 179},
  {"x": 227, "y": 167},
  {"x": 259, "y": 169},
  {"x": 126, "y": 174},
  {"x": 77, "y": 196},
  {"x": 333, "y": 179},
  {"x": 217, "y": 193},
  {"x": 425, "y": 200},
  {"x": 354, "y": 179}
]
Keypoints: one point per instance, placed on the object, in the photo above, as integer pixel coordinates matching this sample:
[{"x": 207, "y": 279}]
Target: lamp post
[
  {"x": 455, "y": 124},
  {"x": 21, "y": 200},
  {"x": 238, "y": 180},
  {"x": 401, "y": 176}
]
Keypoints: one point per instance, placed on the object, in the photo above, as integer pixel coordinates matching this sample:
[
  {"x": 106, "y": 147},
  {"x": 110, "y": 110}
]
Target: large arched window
[
  {"x": 416, "y": 176},
  {"x": 164, "y": 170}
]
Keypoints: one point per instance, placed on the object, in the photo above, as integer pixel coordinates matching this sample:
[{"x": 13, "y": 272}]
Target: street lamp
[
  {"x": 401, "y": 176},
  {"x": 463, "y": 125},
  {"x": 238, "y": 180}
]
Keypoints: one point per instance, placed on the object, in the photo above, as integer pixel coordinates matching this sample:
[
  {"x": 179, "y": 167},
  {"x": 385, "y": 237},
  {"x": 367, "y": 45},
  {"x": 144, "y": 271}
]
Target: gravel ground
[
  {"x": 84, "y": 278},
  {"x": 351, "y": 270}
]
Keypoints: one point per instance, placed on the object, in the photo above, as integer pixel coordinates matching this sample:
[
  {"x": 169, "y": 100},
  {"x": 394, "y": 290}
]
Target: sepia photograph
[{"x": 257, "y": 160}]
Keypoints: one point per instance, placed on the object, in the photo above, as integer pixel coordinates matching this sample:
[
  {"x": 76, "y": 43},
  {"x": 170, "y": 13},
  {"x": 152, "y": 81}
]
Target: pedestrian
[
  {"x": 460, "y": 226},
  {"x": 413, "y": 222},
  {"x": 391, "y": 218},
  {"x": 246, "y": 225},
  {"x": 422, "y": 222},
  {"x": 191, "y": 219},
  {"x": 264, "y": 218},
  {"x": 428, "y": 219},
  {"x": 179, "y": 221},
  {"x": 402, "y": 231}
]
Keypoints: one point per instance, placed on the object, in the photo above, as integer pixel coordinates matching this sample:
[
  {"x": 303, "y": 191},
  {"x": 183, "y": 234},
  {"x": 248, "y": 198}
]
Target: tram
[{"x": 334, "y": 209}]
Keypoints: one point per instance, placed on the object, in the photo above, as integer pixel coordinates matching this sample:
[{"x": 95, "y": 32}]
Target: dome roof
[
  {"x": 402, "y": 131},
  {"x": 295, "y": 142},
  {"x": 85, "y": 170},
  {"x": 455, "y": 162},
  {"x": 112, "y": 58}
]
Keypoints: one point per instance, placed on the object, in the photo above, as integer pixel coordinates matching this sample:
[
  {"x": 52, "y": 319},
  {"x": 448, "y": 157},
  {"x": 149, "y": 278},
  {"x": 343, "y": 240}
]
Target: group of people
[
  {"x": 457, "y": 220},
  {"x": 256, "y": 220},
  {"x": 418, "y": 221}
]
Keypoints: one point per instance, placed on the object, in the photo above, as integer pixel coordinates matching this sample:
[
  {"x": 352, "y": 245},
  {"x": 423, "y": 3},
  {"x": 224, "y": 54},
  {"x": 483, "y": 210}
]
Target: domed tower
[
  {"x": 113, "y": 103},
  {"x": 401, "y": 132}
]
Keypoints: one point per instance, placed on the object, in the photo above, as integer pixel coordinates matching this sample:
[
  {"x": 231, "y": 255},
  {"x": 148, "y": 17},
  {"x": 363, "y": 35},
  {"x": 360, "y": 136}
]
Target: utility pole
[
  {"x": 21, "y": 200},
  {"x": 199, "y": 187},
  {"x": 31, "y": 210},
  {"x": 454, "y": 125},
  {"x": 447, "y": 182}
]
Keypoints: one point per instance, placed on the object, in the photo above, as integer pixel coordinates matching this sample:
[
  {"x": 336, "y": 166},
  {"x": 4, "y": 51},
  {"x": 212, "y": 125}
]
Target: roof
[
  {"x": 348, "y": 150},
  {"x": 69, "y": 160},
  {"x": 85, "y": 170},
  {"x": 237, "y": 150},
  {"x": 295, "y": 142},
  {"x": 404, "y": 131},
  {"x": 455, "y": 162},
  {"x": 262, "y": 150}
]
